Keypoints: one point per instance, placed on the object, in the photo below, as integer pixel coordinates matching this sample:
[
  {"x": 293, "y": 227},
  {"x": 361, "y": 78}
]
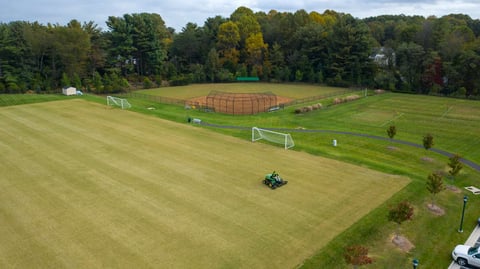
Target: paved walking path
[
  {"x": 445, "y": 153},
  {"x": 473, "y": 240}
]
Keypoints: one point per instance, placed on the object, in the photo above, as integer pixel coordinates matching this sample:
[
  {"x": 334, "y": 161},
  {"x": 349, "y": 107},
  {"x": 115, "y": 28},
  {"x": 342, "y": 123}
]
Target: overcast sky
[{"x": 177, "y": 13}]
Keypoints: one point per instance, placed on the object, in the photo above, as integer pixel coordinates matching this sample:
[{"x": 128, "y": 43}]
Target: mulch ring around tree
[
  {"x": 427, "y": 159},
  {"x": 453, "y": 189},
  {"x": 402, "y": 243},
  {"x": 435, "y": 209}
]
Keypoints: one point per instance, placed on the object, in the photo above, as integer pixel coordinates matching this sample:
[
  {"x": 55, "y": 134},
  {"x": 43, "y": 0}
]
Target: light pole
[
  {"x": 415, "y": 263},
  {"x": 465, "y": 199}
]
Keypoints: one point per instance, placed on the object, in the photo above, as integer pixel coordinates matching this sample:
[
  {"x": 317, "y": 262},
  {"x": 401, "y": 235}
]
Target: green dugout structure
[{"x": 243, "y": 79}]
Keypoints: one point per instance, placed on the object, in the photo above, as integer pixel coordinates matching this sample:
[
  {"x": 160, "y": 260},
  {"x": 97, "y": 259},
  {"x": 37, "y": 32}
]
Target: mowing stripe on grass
[
  {"x": 468, "y": 162},
  {"x": 88, "y": 186}
]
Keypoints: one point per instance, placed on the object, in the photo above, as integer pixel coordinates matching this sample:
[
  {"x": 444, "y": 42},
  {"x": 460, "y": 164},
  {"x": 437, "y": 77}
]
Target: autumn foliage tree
[
  {"x": 412, "y": 54},
  {"x": 228, "y": 39},
  {"x": 357, "y": 255},
  {"x": 403, "y": 211},
  {"x": 255, "y": 49}
]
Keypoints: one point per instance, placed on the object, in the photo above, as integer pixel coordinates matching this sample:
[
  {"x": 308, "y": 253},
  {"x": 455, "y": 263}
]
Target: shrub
[
  {"x": 357, "y": 255},
  {"x": 147, "y": 83},
  {"x": 314, "y": 107},
  {"x": 351, "y": 98},
  {"x": 308, "y": 108},
  {"x": 180, "y": 80},
  {"x": 337, "y": 101}
]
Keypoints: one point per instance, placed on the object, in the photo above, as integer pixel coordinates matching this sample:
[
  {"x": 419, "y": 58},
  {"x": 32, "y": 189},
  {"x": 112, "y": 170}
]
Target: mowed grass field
[{"x": 87, "y": 186}]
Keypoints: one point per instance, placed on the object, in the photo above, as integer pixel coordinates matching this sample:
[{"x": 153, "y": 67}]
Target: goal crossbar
[{"x": 272, "y": 136}]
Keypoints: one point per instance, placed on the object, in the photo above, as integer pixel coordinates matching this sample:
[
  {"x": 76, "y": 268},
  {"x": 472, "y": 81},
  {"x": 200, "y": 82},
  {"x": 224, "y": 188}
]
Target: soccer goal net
[
  {"x": 115, "y": 101},
  {"x": 272, "y": 136}
]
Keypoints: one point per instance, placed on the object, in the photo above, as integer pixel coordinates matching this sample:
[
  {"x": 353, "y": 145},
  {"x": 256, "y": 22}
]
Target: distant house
[
  {"x": 69, "y": 91},
  {"x": 383, "y": 56}
]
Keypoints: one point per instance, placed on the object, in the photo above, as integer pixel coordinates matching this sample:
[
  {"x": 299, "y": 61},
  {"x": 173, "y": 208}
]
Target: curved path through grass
[{"x": 443, "y": 152}]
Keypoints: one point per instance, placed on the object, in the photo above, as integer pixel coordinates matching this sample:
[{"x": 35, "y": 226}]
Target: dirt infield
[{"x": 239, "y": 103}]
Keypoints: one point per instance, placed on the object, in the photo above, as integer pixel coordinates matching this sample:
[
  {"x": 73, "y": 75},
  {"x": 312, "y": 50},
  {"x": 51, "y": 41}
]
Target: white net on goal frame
[
  {"x": 115, "y": 101},
  {"x": 272, "y": 136}
]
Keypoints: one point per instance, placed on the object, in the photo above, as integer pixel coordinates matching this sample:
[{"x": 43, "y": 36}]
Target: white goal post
[
  {"x": 272, "y": 136},
  {"x": 115, "y": 101}
]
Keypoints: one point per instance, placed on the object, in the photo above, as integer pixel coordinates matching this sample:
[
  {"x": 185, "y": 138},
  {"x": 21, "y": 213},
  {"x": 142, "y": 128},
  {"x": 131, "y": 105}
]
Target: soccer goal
[
  {"x": 115, "y": 101},
  {"x": 272, "y": 136}
]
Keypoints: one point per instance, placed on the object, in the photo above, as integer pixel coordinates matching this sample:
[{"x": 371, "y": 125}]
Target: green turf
[
  {"x": 19, "y": 99},
  {"x": 454, "y": 123},
  {"x": 86, "y": 186},
  {"x": 455, "y": 127}
]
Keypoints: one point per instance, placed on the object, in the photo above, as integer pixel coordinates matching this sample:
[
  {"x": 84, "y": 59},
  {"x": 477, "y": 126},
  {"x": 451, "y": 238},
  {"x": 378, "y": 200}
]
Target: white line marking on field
[
  {"x": 446, "y": 112},
  {"x": 396, "y": 117}
]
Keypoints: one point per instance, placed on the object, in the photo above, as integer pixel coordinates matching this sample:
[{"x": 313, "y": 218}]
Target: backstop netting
[{"x": 241, "y": 103}]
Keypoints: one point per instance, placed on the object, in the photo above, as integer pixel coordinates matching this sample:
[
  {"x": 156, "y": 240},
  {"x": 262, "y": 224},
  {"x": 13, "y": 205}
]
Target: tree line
[{"x": 393, "y": 52}]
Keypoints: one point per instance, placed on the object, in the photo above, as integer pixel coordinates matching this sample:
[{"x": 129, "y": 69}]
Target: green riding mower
[{"x": 274, "y": 180}]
